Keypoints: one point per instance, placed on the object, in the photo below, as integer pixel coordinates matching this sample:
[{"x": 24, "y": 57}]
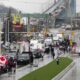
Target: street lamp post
[
  {"x": 28, "y": 26},
  {"x": 9, "y": 25},
  {"x": 8, "y": 29}
]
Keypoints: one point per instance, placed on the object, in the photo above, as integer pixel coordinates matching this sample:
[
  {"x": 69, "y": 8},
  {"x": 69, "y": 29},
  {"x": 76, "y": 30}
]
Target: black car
[{"x": 23, "y": 58}]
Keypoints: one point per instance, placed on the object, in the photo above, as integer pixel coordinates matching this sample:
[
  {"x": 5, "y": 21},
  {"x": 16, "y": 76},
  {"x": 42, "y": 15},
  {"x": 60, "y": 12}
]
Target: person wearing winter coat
[{"x": 52, "y": 52}]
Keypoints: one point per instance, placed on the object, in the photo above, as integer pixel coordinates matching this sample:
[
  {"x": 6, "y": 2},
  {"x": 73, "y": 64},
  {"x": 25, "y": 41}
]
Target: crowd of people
[{"x": 55, "y": 50}]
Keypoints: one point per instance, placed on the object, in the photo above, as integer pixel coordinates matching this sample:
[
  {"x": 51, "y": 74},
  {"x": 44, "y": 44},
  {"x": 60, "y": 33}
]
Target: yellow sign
[
  {"x": 71, "y": 42},
  {"x": 14, "y": 19},
  {"x": 62, "y": 33},
  {"x": 46, "y": 30},
  {"x": 72, "y": 33}
]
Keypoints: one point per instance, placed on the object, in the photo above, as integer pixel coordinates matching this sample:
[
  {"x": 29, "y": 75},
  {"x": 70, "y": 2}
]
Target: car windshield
[
  {"x": 23, "y": 55},
  {"x": 12, "y": 51},
  {"x": 11, "y": 54}
]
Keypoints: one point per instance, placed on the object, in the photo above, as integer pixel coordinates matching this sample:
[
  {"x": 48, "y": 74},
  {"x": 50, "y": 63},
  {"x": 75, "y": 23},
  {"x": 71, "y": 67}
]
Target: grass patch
[{"x": 49, "y": 71}]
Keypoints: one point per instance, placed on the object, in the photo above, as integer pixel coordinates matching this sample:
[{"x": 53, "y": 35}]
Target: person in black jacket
[
  {"x": 52, "y": 51},
  {"x": 31, "y": 58},
  {"x": 47, "y": 50}
]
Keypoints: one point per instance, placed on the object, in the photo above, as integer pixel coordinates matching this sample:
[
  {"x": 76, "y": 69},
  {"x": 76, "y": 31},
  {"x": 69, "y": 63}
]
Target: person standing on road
[
  {"x": 47, "y": 50},
  {"x": 31, "y": 58},
  {"x": 52, "y": 51},
  {"x": 14, "y": 66},
  {"x": 18, "y": 51}
]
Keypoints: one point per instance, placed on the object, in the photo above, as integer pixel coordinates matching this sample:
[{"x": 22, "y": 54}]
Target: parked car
[{"x": 23, "y": 58}]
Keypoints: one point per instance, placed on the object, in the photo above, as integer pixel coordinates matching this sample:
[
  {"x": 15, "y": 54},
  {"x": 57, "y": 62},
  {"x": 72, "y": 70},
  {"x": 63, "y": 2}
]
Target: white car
[
  {"x": 35, "y": 44},
  {"x": 48, "y": 41}
]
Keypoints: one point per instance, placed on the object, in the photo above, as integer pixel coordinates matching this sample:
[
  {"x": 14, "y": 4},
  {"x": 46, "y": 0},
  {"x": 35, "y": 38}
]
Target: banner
[
  {"x": 72, "y": 33},
  {"x": 14, "y": 19},
  {"x": 70, "y": 42},
  {"x": 33, "y": 21}
]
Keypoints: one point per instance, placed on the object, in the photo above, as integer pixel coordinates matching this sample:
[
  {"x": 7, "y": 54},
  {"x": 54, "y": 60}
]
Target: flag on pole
[{"x": 14, "y": 19}]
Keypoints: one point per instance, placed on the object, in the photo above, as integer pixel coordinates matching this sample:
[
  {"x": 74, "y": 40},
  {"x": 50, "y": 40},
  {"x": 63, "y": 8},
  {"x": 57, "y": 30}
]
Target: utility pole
[
  {"x": 9, "y": 25},
  {"x": 5, "y": 30},
  {"x": 8, "y": 28},
  {"x": 28, "y": 26}
]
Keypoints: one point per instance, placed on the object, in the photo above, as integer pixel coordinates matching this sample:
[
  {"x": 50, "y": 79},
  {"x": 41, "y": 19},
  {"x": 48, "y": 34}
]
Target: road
[{"x": 74, "y": 73}]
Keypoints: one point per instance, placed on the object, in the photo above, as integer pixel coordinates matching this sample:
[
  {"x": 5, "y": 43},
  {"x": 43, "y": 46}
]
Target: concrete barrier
[{"x": 62, "y": 73}]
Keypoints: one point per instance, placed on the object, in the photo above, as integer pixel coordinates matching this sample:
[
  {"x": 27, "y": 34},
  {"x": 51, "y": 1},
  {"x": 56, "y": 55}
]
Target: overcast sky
[{"x": 31, "y": 6}]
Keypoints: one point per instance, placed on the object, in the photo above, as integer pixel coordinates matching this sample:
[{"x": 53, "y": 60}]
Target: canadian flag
[{"x": 3, "y": 60}]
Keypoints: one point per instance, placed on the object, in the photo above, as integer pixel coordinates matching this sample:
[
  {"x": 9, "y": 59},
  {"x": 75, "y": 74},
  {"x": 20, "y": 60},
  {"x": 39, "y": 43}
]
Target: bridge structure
[{"x": 61, "y": 11}]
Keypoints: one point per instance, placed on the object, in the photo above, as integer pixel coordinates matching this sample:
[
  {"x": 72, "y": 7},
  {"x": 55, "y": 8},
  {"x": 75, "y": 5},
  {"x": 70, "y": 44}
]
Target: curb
[{"x": 62, "y": 73}]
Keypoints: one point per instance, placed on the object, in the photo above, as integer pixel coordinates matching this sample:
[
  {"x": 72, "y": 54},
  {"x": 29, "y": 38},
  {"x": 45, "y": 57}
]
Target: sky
[
  {"x": 27, "y": 6},
  {"x": 32, "y": 6}
]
